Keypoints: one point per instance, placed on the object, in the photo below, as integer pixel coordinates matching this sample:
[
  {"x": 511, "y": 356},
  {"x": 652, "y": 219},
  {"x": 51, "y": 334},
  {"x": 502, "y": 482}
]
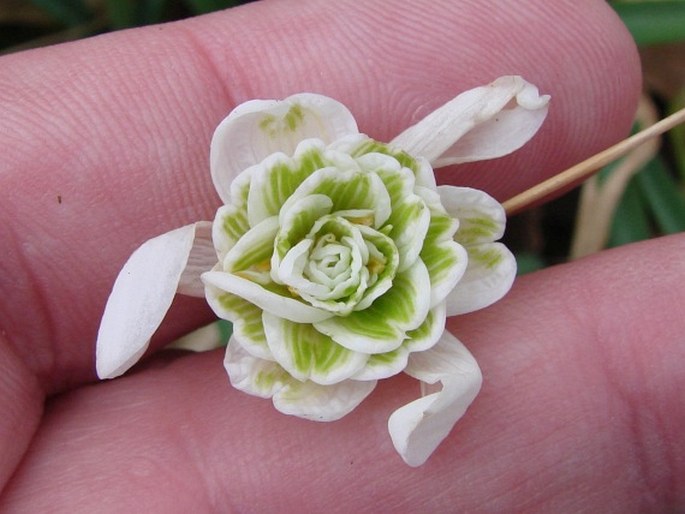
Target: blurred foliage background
[{"x": 639, "y": 197}]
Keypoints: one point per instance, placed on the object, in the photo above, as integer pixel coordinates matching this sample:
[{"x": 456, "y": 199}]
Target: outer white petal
[
  {"x": 419, "y": 427},
  {"x": 489, "y": 275},
  {"x": 288, "y": 308},
  {"x": 202, "y": 258},
  {"x": 257, "y": 129},
  {"x": 141, "y": 296},
  {"x": 481, "y": 218},
  {"x": 482, "y": 123},
  {"x": 322, "y": 402},
  {"x": 303, "y": 399},
  {"x": 202, "y": 339},
  {"x": 251, "y": 374},
  {"x": 248, "y": 329}
]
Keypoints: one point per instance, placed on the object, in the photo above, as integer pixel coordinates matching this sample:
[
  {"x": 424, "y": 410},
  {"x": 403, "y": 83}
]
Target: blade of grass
[
  {"x": 631, "y": 221},
  {"x": 662, "y": 194},
  {"x": 677, "y": 136},
  {"x": 205, "y": 6},
  {"x": 652, "y": 22},
  {"x": 121, "y": 13},
  {"x": 132, "y": 13},
  {"x": 151, "y": 11},
  {"x": 66, "y": 12}
]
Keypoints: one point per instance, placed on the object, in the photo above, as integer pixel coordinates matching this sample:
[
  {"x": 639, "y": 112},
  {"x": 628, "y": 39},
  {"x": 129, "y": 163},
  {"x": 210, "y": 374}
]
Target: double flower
[{"x": 337, "y": 257}]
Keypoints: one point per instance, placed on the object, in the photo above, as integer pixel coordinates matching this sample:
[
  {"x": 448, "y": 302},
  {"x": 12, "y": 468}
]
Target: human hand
[{"x": 104, "y": 144}]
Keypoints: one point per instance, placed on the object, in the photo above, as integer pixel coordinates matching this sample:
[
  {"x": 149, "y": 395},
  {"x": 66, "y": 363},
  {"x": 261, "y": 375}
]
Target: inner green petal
[
  {"x": 381, "y": 327},
  {"x": 297, "y": 221},
  {"x": 279, "y": 176},
  {"x": 308, "y": 354},
  {"x": 254, "y": 249},
  {"x": 370, "y": 146}
]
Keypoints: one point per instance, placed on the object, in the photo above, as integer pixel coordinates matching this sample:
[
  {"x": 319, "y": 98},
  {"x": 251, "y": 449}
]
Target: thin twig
[{"x": 589, "y": 166}]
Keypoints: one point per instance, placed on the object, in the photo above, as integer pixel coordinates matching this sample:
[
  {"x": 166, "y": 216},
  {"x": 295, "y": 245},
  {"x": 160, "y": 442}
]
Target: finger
[
  {"x": 581, "y": 410},
  {"x": 106, "y": 140}
]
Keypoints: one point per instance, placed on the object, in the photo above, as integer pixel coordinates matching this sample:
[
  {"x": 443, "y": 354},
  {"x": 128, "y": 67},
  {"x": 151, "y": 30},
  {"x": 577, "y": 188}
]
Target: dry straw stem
[
  {"x": 584, "y": 169},
  {"x": 598, "y": 201}
]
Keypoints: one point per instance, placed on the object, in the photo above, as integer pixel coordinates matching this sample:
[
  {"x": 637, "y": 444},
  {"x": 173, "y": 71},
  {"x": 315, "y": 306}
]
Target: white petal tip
[
  {"x": 111, "y": 363},
  {"x": 418, "y": 428}
]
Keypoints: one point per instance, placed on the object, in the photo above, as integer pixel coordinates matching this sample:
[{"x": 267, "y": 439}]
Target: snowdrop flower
[{"x": 338, "y": 258}]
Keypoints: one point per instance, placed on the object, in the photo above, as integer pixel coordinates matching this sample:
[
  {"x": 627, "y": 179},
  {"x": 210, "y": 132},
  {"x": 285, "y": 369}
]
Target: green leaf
[
  {"x": 653, "y": 22},
  {"x": 631, "y": 219},
  {"x": 527, "y": 262},
  {"x": 205, "y": 6},
  {"x": 662, "y": 193},
  {"x": 677, "y": 135},
  {"x": 133, "y": 13},
  {"x": 225, "y": 329},
  {"x": 68, "y": 12}
]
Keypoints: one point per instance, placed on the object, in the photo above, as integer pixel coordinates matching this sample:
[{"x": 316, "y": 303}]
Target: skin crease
[{"x": 580, "y": 408}]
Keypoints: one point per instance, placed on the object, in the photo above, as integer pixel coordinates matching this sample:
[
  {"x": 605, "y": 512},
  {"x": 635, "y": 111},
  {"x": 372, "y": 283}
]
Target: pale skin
[{"x": 104, "y": 143}]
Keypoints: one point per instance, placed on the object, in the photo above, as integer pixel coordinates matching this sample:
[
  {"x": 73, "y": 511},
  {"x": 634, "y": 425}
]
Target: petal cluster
[
  {"x": 340, "y": 270},
  {"x": 337, "y": 258}
]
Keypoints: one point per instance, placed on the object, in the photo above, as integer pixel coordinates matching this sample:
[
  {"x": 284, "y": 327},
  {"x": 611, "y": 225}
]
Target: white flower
[{"x": 337, "y": 258}]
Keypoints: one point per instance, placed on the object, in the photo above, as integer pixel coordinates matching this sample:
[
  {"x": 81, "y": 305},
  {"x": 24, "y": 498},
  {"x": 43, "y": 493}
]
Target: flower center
[{"x": 329, "y": 260}]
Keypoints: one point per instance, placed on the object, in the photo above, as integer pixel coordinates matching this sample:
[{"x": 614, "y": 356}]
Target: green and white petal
[
  {"x": 270, "y": 298},
  {"x": 488, "y": 277},
  {"x": 430, "y": 331},
  {"x": 384, "y": 260},
  {"x": 246, "y": 317},
  {"x": 419, "y": 427},
  {"x": 295, "y": 223},
  {"x": 382, "y": 326},
  {"x": 425, "y": 176},
  {"x": 482, "y": 123},
  {"x": 409, "y": 217},
  {"x": 308, "y": 354},
  {"x": 349, "y": 189},
  {"x": 141, "y": 296},
  {"x": 257, "y": 129},
  {"x": 253, "y": 251},
  {"x": 384, "y": 365},
  {"x": 230, "y": 224},
  {"x": 445, "y": 259},
  {"x": 327, "y": 267},
  {"x": 279, "y": 175},
  {"x": 318, "y": 402},
  {"x": 251, "y": 374},
  {"x": 410, "y": 220},
  {"x": 481, "y": 218}
]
